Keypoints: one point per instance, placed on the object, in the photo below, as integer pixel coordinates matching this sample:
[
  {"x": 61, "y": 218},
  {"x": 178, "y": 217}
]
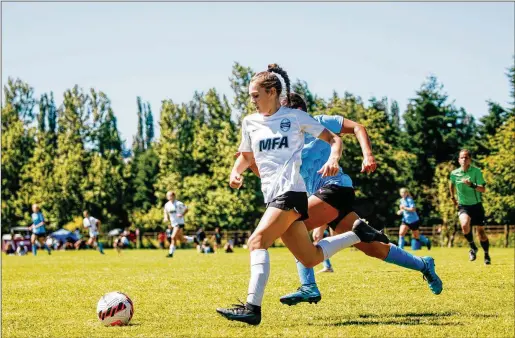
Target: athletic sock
[{"x": 259, "y": 272}]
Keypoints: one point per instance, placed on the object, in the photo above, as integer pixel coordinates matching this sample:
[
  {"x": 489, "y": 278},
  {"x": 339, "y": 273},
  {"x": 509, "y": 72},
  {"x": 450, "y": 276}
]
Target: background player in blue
[
  {"x": 331, "y": 203},
  {"x": 410, "y": 219},
  {"x": 38, "y": 230}
]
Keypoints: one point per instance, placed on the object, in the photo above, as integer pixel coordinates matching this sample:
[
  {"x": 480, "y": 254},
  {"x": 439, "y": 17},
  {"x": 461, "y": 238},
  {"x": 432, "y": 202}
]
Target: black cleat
[
  {"x": 242, "y": 313},
  {"x": 428, "y": 245},
  {"x": 169, "y": 255},
  {"x": 488, "y": 261},
  {"x": 368, "y": 234},
  {"x": 472, "y": 255}
]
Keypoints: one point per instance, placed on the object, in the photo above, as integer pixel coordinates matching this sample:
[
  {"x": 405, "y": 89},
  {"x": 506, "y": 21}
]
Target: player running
[{"x": 93, "y": 225}]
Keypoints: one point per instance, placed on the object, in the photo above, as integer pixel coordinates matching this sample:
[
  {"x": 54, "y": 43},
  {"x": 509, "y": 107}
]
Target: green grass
[{"x": 56, "y": 296}]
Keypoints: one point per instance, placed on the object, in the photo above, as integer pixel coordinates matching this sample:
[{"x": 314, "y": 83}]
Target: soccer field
[{"x": 56, "y": 296}]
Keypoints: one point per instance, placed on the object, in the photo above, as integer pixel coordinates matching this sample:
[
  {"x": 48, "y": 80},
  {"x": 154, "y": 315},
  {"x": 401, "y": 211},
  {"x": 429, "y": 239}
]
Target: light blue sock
[
  {"x": 423, "y": 239},
  {"x": 401, "y": 242},
  {"x": 306, "y": 275},
  {"x": 46, "y": 247},
  {"x": 403, "y": 258},
  {"x": 34, "y": 249},
  {"x": 327, "y": 264},
  {"x": 101, "y": 247}
]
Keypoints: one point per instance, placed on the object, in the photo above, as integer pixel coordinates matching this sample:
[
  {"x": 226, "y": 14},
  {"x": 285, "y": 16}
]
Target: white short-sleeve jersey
[
  {"x": 277, "y": 143},
  {"x": 91, "y": 223},
  {"x": 173, "y": 209}
]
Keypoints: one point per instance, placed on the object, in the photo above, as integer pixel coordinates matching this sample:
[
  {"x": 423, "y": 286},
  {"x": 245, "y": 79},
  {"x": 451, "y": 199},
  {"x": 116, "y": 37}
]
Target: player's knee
[
  {"x": 309, "y": 262},
  {"x": 256, "y": 241}
]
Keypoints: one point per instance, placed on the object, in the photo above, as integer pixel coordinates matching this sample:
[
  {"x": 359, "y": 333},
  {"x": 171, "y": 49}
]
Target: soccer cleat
[
  {"x": 488, "y": 261},
  {"x": 169, "y": 255},
  {"x": 326, "y": 270},
  {"x": 472, "y": 255},
  {"x": 305, "y": 293},
  {"x": 242, "y": 313},
  {"x": 368, "y": 234},
  {"x": 435, "y": 283}
]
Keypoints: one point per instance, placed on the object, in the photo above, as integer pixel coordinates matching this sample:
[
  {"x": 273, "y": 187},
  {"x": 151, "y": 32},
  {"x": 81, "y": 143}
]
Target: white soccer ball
[{"x": 115, "y": 309}]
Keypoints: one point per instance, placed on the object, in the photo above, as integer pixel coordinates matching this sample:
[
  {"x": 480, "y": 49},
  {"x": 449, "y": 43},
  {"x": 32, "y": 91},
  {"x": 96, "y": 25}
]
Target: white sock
[
  {"x": 333, "y": 244},
  {"x": 172, "y": 249},
  {"x": 259, "y": 272}
]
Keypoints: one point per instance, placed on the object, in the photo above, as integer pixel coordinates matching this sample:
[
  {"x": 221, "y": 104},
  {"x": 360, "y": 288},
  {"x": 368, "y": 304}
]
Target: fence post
[{"x": 506, "y": 235}]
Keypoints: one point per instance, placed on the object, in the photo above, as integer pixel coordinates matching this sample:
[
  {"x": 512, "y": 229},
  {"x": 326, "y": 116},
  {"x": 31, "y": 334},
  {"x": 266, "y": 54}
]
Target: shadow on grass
[{"x": 409, "y": 318}]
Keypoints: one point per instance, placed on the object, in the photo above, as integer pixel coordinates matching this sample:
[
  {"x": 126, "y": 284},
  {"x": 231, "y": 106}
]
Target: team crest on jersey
[{"x": 285, "y": 124}]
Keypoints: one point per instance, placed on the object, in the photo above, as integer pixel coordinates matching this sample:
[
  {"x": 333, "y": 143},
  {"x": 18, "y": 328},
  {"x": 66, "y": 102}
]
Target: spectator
[
  {"x": 229, "y": 247},
  {"x": 161, "y": 239},
  {"x": 22, "y": 250},
  {"x": 206, "y": 247},
  {"x": 217, "y": 237},
  {"x": 9, "y": 250},
  {"x": 122, "y": 241}
]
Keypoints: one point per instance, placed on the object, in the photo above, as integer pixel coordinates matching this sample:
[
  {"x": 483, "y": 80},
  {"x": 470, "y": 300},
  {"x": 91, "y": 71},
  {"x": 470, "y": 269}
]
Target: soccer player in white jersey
[
  {"x": 330, "y": 203},
  {"x": 93, "y": 225},
  {"x": 273, "y": 139},
  {"x": 174, "y": 212}
]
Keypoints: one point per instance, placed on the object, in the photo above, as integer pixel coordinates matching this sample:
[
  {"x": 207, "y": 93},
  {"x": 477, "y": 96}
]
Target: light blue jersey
[
  {"x": 316, "y": 152},
  {"x": 37, "y": 217},
  {"x": 408, "y": 217}
]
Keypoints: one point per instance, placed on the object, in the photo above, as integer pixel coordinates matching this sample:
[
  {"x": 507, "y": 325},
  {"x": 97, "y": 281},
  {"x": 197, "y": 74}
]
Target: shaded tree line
[{"x": 71, "y": 157}]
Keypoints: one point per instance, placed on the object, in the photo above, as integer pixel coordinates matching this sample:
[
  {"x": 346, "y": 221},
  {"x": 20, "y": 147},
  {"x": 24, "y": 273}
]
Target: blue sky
[{"x": 168, "y": 50}]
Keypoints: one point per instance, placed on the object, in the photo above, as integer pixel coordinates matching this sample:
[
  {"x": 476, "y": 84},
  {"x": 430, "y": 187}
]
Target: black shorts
[
  {"x": 340, "y": 198},
  {"x": 38, "y": 236},
  {"x": 413, "y": 226},
  {"x": 476, "y": 213},
  {"x": 292, "y": 200},
  {"x": 180, "y": 226}
]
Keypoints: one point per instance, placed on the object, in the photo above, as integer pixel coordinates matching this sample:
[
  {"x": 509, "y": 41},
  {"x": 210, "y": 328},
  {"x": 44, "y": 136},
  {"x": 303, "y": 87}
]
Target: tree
[
  {"x": 138, "y": 144},
  {"x": 17, "y": 148},
  {"x": 499, "y": 173},
  {"x": 511, "y": 76},
  {"x": 145, "y": 168},
  {"x": 149, "y": 126},
  {"x": 38, "y": 185},
  {"x": 313, "y": 102},
  {"x": 490, "y": 123},
  {"x": 436, "y": 129},
  {"x": 174, "y": 148},
  {"x": 240, "y": 81},
  {"x": 71, "y": 162},
  {"x": 442, "y": 202}
]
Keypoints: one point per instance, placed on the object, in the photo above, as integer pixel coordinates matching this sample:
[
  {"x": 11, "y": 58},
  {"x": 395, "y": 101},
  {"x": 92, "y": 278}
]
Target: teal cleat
[
  {"x": 305, "y": 293},
  {"x": 435, "y": 283}
]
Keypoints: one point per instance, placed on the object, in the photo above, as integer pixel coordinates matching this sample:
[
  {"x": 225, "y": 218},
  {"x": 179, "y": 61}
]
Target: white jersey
[
  {"x": 91, "y": 223},
  {"x": 177, "y": 207},
  {"x": 277, "y": 143}
]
